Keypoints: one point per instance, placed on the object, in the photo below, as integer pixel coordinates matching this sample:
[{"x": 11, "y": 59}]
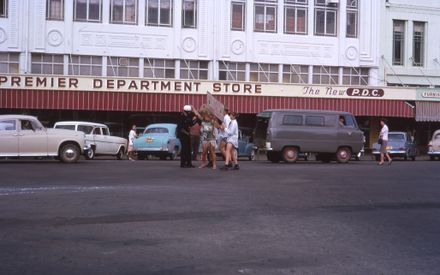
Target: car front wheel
[
  {"x": 90, "y": 154},
  {"x": 69, "y": 153},
  {"x": 120, "y": 154}
]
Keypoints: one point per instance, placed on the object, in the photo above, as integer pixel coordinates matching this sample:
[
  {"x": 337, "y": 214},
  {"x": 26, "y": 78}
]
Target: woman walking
[
  {"x": 383, "y": 141},
  {"x": 231, "y": 143},
  {"x": 131, "y": 137},
  {"x": 208, "y": 138}
]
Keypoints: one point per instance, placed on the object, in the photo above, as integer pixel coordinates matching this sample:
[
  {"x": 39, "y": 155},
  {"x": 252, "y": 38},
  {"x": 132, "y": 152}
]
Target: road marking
[{"x": 35, "y": 190}]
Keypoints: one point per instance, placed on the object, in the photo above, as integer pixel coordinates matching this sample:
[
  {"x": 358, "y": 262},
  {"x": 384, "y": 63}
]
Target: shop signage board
[
  {"x": 175, "y": 86},
  {"x": 427, "y": 94}
]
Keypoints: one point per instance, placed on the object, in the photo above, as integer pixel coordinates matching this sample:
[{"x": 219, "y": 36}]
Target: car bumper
[
  {"x": 392, "y": 152},
  {"x": 154, "y": 149},
  {"x": 434, "y": 153}
]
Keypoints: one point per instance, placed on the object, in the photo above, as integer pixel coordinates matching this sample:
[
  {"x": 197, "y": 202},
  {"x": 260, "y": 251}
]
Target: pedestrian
[
  {"x": 231, "y": 143},
  {"x": 186, "y": 120},
  {"x": 208, "y": 138},
  {"x": 131, "y": 137},
  {"x": 223, "y": 135},
  {"x": 383, "y": 141},
  {"x": 194, "y": 133}
]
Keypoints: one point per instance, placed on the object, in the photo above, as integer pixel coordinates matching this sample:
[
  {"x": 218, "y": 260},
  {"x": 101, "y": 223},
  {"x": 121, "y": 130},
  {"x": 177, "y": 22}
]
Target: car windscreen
[
  {"x": 156, "y": 130},
  {"x": 396, "y": 137}
]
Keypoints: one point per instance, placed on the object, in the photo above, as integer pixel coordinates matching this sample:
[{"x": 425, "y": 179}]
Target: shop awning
[
  {"x": 157, "y": 102},
  {"x": 427, "y": 111}
]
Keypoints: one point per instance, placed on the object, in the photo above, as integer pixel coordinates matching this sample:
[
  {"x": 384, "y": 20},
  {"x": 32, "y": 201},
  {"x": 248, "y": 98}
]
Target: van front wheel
[
  {"x": 290, "y": 154},
  {"x": 343, "y": 155}
]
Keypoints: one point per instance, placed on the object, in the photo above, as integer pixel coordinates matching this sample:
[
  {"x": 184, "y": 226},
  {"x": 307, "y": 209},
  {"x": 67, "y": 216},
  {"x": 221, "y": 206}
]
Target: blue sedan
[
  {"x": 400, "y": 144},
  {"x": 158, "y": 140}
]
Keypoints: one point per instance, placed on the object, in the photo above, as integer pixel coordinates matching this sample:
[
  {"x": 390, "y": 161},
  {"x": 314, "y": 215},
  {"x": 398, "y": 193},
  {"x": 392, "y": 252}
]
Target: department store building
[{"x": 139, "y": 61}]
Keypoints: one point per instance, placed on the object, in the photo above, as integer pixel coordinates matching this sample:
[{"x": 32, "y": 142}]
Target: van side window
[
  {"x": 315, "y": 121},
  {"x": 292, "y": 120}
]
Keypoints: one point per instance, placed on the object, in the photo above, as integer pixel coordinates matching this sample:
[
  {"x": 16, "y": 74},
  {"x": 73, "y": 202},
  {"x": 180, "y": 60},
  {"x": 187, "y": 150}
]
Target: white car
[
  {"x": 434, "y": 146},
  {"x": 98, "y": 138},
  {"x": 25, "y": 136}
]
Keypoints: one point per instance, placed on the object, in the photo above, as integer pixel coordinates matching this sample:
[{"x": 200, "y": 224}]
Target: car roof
[
  {"x": 396, "y": 132},
  {"x": 163, "y": 125},
  {"x": 17, "y": 117},
  {"x": 87, "y": 123},
  {"x": 307, "y": 111}
]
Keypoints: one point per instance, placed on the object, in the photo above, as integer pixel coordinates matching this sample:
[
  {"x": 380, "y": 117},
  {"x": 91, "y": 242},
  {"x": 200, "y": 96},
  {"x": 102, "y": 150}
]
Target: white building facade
[{"x": 328, "y": 42}]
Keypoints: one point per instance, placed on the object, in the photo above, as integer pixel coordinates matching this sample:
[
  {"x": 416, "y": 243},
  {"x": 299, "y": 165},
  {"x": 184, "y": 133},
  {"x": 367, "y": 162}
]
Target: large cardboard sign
[{"x": 215, "y": 107}]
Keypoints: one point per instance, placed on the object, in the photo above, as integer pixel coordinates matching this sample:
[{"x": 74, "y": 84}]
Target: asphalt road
[{"x": 152, "y": 217}]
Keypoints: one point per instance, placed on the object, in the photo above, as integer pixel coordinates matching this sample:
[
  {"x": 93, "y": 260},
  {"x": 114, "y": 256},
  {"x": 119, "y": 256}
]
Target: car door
[
  {"x": 8, "y": 138},
  {"x": 110, "y": 143},
  {"x": 99, "y": 141},
  {"x": 32, "y": 139}
]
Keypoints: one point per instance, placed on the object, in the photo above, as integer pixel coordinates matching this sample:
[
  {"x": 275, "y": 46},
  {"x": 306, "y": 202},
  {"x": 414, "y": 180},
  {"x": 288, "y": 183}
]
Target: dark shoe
[
  {"x": 225, "y": 168},
  {"x": 236, "y": 167},
  {"x": 229, "y": 165}
]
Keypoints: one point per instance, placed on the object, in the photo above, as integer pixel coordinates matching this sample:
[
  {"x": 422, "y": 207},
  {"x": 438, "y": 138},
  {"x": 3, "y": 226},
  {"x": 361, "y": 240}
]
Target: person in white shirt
[
  {"x": 383, "y": 147},
  {"x": 131, "y": 137},
  {"x": 231, "y": 143},
  {"x": 222, "y": 135}
]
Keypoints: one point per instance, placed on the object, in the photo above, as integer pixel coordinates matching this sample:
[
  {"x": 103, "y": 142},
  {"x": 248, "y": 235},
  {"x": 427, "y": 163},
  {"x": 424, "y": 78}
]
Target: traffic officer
[{"x": 186, "y": 120}]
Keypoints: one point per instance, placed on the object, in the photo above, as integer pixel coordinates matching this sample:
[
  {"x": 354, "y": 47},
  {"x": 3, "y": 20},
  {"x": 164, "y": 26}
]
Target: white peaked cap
[{"x": 187, "y": 108}]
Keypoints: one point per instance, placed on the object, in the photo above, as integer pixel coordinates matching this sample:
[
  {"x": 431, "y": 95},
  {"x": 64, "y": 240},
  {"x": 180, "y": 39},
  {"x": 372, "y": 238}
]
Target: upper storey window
[
  {"x": 352, "y": 18},
  {"x": 123, "y": 11},
  {"x": 159, "y": 13},
  {"x": 265, "y": 16},
  {"x": 55, "y": 10},
  {"x": 295, "y": 16},
  {"x": 3, "y": 8},
  {"x": 238, "y": 12},
  {"x": 398, "y": 42},
  {"x": 419, "y": 44},
  {"x": 189, "y": 14},
  {"x": 326, "y": 18},
  {"x": 87, "y": 10}
]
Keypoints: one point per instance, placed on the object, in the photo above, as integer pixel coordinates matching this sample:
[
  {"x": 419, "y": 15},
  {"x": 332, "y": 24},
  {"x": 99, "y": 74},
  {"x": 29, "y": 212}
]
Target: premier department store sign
[{"x": 33, "y": 82}]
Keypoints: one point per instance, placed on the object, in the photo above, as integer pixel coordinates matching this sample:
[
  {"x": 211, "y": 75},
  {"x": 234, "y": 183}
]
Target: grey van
[{"x": 284, "y": 134}]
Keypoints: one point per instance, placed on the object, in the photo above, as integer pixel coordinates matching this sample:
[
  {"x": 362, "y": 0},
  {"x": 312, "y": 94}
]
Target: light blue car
[
  {"x": 158, "y": 140},
  {"x": 400, "y": 144}
]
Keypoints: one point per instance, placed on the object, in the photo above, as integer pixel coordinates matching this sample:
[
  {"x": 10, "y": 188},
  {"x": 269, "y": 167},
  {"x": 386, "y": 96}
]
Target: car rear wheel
[
  {"x": 90, "y": 154},
  {"x": 413, "y": 158},
  {"x": 290, "y": 154},
  {"x": 343, "y": 155},
  {"x": 120, "y": 154},
  {"x": 69, "y": 153},
  {"x": 173, "y": 155},
  {"x": 252, "y": 156},
  {"x": 273, "y": 157},
  {"x": 141, "y": 156},
  {"x": 324, "y": 157}
]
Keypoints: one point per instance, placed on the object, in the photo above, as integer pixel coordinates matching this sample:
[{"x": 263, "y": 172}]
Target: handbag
[{"x": 380, "y": 141}]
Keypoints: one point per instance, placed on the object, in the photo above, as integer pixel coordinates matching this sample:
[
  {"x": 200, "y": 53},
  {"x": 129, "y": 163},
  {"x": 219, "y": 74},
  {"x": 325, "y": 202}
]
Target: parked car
[
  {"x": 400, "y": 144},
  {"x": 158, "y": 140},
  {"x": 246, "y": 146},
  {"x": 434, "y": 146},
  {"x": 285, "y": 134},
  {"x": 25, "y": 136},
  {"x": 99, "y": 141}
]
